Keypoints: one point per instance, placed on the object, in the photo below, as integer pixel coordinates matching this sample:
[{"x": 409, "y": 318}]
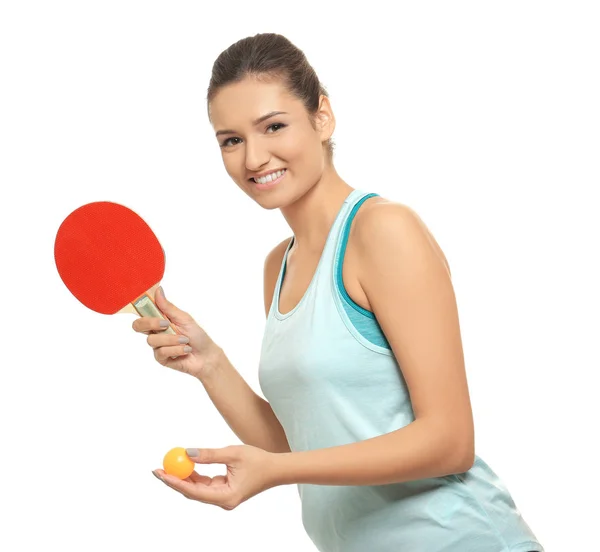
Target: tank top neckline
[{"x": 330, "y": 236}]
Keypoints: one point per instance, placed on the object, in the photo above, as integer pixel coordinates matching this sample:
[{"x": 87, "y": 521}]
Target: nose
[{"x": 256, "y": 156}]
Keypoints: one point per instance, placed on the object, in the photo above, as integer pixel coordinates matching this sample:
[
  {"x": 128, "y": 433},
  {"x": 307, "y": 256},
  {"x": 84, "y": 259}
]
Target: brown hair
[{"x": 268, "y": 56}]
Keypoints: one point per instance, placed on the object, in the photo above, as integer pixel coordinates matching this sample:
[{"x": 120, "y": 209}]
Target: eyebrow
[{"x": 254, "y": 123}]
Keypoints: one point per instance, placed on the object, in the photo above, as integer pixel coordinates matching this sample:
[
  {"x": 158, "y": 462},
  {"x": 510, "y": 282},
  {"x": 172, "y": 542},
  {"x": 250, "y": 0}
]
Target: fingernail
[
  {"x": 192, "y": 452},
  {"x": 187, "y": 349},
  {"x": 161, "y": 291},
  {"x": 156, "y": 475},
  {"x": 184, "y": 339},
  {"x": 164, "y": 323}
]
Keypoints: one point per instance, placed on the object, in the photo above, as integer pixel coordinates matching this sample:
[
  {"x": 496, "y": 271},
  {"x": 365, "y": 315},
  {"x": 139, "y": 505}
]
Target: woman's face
[{"x": 255, "y": 143}]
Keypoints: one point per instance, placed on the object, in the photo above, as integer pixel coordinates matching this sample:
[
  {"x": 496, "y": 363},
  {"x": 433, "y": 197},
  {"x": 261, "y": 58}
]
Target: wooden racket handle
[{"x": 145, "y": 306}]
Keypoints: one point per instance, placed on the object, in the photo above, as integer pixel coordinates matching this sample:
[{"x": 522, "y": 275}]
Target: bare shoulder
[
  {"x": 271, "y": 271},
  {"x": 381, "y": 221}
]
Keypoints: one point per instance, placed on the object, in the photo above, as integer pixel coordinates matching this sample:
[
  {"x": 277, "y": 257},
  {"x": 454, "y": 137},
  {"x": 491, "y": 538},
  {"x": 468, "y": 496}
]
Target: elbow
[
  {"x": 467, "y": 464},
  {"x": 465, "y": 460},
  {"x": 455, "y": 448},
  {"x": 458, "y": 451},
  {"x": 464, "y": 445}
]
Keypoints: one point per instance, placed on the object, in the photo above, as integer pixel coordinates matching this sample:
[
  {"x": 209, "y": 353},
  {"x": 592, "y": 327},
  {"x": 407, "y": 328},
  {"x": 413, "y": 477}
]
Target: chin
[
  {"x": 267, "y": 199},
  {"x": 268, "y": 203},
  {"x": 271, "y": 201}
]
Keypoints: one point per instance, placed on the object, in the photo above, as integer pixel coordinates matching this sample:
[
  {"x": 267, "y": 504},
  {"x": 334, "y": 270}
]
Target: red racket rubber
[{"x": 110, "y": 259}]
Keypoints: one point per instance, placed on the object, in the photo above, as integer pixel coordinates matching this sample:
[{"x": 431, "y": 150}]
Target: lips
[
  {"x": 269, "y": 177},
  {"x": 267, "y": 184}
]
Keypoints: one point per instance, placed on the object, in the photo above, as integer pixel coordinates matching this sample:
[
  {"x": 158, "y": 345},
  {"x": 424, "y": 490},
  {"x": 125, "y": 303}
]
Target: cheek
[
  {"x": 229, "y": 169},
  {"x": 289, "y": 147},
  {"x": 234, "y": 165},
  {"x": 299, "y": 147}
]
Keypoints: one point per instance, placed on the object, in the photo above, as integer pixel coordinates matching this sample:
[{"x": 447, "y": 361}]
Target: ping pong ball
[{"x": 176, "y": 462}]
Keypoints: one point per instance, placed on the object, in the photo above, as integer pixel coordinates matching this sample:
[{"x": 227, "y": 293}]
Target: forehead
[{"x": 242, "y": 102}]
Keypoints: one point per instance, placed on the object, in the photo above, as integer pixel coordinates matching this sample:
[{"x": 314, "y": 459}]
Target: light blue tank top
[{"x": 332, "y": 379}]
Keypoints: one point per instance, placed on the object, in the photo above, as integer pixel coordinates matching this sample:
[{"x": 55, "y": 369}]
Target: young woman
[{"x": 367, "y": 408}]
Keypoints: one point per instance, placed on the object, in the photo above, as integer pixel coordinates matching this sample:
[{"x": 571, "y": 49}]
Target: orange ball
[{"x": 176, "y": 462}]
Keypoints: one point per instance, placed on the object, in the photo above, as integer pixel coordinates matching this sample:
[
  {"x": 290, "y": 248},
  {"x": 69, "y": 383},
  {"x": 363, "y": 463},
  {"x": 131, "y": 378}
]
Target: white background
[{"x": 483, "y": 117}]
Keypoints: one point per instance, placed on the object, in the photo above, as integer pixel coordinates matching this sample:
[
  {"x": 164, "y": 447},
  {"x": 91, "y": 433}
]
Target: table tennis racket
[{"x": 110, "y": 259}]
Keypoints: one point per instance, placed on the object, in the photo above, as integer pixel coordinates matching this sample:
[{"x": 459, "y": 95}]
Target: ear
[{"x": 324, "y": 119}]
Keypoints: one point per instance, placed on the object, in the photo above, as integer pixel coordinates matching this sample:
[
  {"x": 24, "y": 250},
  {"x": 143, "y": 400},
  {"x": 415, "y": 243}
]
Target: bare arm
[
  {"x": 248, "y": 415},
  {"x": 407, "y": 281}
]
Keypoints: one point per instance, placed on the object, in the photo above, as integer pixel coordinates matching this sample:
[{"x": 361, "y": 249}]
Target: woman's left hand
[{"x": 249, "y": 472}]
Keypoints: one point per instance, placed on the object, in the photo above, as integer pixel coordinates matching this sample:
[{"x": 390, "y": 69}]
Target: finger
[
  {"x": 195, "y": 477},
  {"x": 166, "y": 340},
  {"x": 164, "y": 353},
  {"x": 217, "y": 494},
  {"x": 219, "y": 480},
  {"x": 170, "y": 311},
  {"x": 206, "y": 480},
  {"x": 172, "y": 482},
  {"x": 184, "y": 486},
  {"x": 146, "y": 324},
  {"x": 213, "y": 456}
]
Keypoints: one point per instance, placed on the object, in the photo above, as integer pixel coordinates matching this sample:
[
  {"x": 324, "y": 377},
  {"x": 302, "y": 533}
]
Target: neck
[{"x": 311, "y": 216}]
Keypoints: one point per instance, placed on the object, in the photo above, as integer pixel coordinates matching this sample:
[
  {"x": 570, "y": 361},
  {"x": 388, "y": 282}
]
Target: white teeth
[{"x": 270, "y": 177}]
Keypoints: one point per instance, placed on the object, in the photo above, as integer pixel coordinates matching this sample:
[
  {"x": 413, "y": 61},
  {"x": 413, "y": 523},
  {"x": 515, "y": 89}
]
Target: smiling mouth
[
  {"x": 268, "y": 178},
  {"x": 264, "y": 184}
]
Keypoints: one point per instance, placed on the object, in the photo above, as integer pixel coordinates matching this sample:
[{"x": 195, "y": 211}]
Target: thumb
[
  {"x": 212, "y": 456},
  {"x": 169, "y": 309}
]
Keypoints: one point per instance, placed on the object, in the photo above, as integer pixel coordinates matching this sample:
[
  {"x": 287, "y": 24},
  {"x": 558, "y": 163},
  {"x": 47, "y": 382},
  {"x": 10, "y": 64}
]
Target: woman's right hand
[{"x": 191, "y": 351}]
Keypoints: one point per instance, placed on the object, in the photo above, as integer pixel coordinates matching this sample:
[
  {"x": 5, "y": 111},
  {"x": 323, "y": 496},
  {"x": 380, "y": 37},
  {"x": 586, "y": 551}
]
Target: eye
[
  {"x": 280, "y": 125},
  {"x": 228, "y": 141}
]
